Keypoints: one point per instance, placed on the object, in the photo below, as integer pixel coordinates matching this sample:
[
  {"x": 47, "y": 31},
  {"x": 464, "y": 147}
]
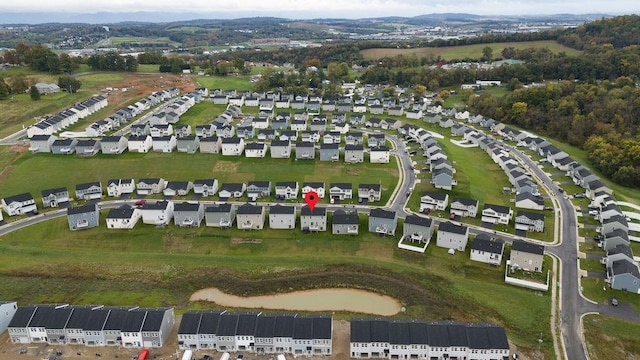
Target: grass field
[
  {"x": 609, "y": 338},
  {"x": 118, "y": 40},
  {"x": 224, "y": 82},
  {"x": 466, "y": 51},
  {"x": 71, "y": 170},
  {"x": 148, "y": 266}
]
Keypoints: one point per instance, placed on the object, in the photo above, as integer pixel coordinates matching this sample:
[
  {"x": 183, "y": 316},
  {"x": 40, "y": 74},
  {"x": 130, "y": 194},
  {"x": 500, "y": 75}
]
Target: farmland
[{"x": 465, "y": 51}]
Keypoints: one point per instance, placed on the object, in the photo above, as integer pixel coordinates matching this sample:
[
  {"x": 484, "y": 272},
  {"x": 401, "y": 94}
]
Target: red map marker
[{"x": 311, "y": 199}]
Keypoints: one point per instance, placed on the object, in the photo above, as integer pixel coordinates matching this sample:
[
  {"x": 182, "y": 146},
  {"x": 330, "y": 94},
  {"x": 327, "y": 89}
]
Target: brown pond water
[{"x": 351, "y": 300}]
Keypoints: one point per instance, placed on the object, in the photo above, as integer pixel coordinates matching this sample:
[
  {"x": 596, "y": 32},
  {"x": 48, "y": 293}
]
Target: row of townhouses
[
  {"x": 412, "y": 339},
  {"x": 70, "y": 116},
  {"x": 53, "y": 324},
  {"x": 256, "y": 332}
]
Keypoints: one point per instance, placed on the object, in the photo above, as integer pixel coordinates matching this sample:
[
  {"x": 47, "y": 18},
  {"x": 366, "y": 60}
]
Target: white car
[{"x": 593, "y": 212}]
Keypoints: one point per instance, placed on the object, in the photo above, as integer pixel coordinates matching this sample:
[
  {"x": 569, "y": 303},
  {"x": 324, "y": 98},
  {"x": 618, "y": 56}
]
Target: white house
[
  {"x": 124, "y": 217},
  {"x": 487, "y": 250},
  {"x": 452, "y": 236}
]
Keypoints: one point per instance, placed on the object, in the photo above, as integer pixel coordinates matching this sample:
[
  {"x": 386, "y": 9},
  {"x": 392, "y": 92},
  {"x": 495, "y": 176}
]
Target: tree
[
  {"x": 487, "y": 53},
  {"x": 35, "y": 94},
  {"x": 19, "y": 84},
  {"x": 68, "y": 83},
  {"x": 419, "y": 91},
  {"x": 4, "y": 90}
]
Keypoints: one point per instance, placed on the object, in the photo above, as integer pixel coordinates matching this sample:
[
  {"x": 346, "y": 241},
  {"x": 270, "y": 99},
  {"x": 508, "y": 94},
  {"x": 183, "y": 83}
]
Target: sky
[{"x": 326, "y": 8}]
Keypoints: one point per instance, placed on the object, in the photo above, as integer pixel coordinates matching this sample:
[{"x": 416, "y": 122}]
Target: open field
[
  {"x": 58, "y": 265},
  {"x": 466, "y": 51},
  {"x": 224, "y": 82},
  {"x": 71, "y": 170},
  {"x": 609, "y": 338}
]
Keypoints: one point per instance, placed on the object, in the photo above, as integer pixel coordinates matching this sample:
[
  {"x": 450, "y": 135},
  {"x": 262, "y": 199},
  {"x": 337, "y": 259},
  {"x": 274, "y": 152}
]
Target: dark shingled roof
[
  {"x": 248, "y": 209},
  {"x": 218, "y": 208},
  {"x": 96, "y": 320},
  {"x": 483, "y": 244},
  {"x": 227, "y": 325},
  {"x": 303, "y": 327},
  {"x": 209, "y": 322},
  {"x": 452, "y": 228},
  {"x": 381, "y": 213},
  {"x": 87, "y": 208},
  {"x": 418, "y": 220},
  {"x": 317, "y": 211},
  {"x": 153, "y": 321},
  {"x": 283, "y": 326},
  {"x": 190, "y": 323},
  {"x": 265, "y": 326},
  {"x": 133, "y": 321},
  {"x": 22, "y": 316},
  {"x": 519, "y": 245},
  {"x": 58, "y": 318},
  {"x": 246, "y": 324},
  {"x": 322, "y": 327},
  {"x": 279, "y": 209}
]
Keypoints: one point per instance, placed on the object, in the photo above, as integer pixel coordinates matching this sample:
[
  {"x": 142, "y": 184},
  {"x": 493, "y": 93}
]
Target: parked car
[
  {"x": 140, "y": 202},
  {"x": 593, "y": 212},
  {"x": 614, "y": 301},
  {"x": 579, "y": 195}
]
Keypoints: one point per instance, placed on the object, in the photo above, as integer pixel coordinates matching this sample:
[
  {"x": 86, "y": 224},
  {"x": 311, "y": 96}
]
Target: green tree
[
  {"x": 487, "y": 53},
  {"x": 19, "y": 84},
  {"x": 35, "y": 94},
  {"x": 419, "y": 91},
  {"x": 68, "y": 83},
  {"x": 4, "y": 90}
]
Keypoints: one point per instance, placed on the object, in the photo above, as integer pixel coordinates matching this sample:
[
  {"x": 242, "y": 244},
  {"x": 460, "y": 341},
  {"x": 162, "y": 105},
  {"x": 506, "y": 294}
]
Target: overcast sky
[{"x": 327, "y": 8}]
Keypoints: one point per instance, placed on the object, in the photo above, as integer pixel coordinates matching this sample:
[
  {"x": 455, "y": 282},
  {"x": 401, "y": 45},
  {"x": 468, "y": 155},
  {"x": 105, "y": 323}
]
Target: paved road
[{"x": 572, "y": 304}]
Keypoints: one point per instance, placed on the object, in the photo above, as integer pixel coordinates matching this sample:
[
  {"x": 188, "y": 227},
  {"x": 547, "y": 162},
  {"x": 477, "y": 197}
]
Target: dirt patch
[
  {"x": 141, "y": 85},
  {"x": 353, "y": 172},
  {"x": 225, "y": 167},
  {"x": 238, "y": 241}
]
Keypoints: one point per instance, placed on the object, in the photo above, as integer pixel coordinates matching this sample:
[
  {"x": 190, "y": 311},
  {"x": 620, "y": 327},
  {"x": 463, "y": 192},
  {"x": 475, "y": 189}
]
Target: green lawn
[
  {"x": 148, "y": 266},
  {"x": 592, "y": 265},
  {"x": 224, "y": 82},
  {"x": 466, "y": 51},
  {"x": 609, "y": 338},
  {"x": 71, "y": 170},
  {"x": 597, "y": 290}
]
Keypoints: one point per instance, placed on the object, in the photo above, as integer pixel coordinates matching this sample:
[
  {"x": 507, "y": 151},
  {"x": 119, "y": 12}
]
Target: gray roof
[
  {"x": 82, "y": 209},
  {"x": 530, "y": 215},
  {"x": 481, "y": 243},
  {"x": 531, "y": 248},
  {"x": 381, "y": 213},
  {"x": 452, "y": 228}
]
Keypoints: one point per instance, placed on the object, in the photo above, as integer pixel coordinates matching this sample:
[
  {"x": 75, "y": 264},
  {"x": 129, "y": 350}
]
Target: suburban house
[
  {"x": 353, "y": 154},
  {"x": 375, "y": 140},
  {"x": 231, "y": 190},
  {"x": 41, "y": 143},
  {"x": 87, "y": 147},
  {"x": 119, "y": 187},
  {"x": 124, "y": 217},
  {"x": 329, "y": 152},
  {"x": 496, "y": 214},
  {"x": 382, "y": 222},
  {"x": 83, "y": 216},
  {"x": 529, "y": 221},
  {"x": 280, "y": 149},
  {"x": 177, "y": 188},
  {"x": 113, "y": 144},
  {"x": 149, "y": 186},
  {"x": 187, "y": 214},
  {"x": 189, "y": 144},
  {"x": 282, "y": 217},
  {"x": 210, "y": 145},
  {"x": 369, "y": 192},
  {"x": 315, "y": 220},
  {"x": 487, "y": 250},
  {"x": 345, "y": 223},
  {"x": 220, "y": 215},
  {"x": 529, "y": 201},
  {"x": 19, "y": 204},
  {"x": 157, "y": 213},
  {"x": 379, "y": 155},
  {"x": 160, "y": 130},
  {"x": 452, "y": 236},
  {"x": 442, "y": 179},
  {"x": 613, "y": 223},
  {"x": 232, "y": 146},
  {"x": 464, "y": 207},
  {"x": 140, "y": 144},
  {"x": 305, "y": 150},
  {"x": 434, "y": 201},
  {"x": 205, "y": 187},
  {"x": 318, "y": 187},
  {"x": 165, "y": 144},
  {"x": 526, "y": 256},
  {"x": 340, "y": 191},
  {"x": 89, "y": 191},
  {"x": 19, "y": 324},
  {"x": 417, "y": 229},
  {"x": 615, "y": 238},
  {"x": 287, "y": 189},
  {"x": 54, "y": 197},
  {"x": 624, "y": 275},
  {"x": 250, "y": 217},
  {"x": 64, "y": 146},
  {"x": 354, "y": 138},
  {"x": 258, "y": 189}
]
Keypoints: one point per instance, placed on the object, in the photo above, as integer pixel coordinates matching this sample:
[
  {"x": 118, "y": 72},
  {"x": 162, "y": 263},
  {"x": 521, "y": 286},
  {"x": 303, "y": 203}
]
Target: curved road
[{"x": 572, "y": 304}]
